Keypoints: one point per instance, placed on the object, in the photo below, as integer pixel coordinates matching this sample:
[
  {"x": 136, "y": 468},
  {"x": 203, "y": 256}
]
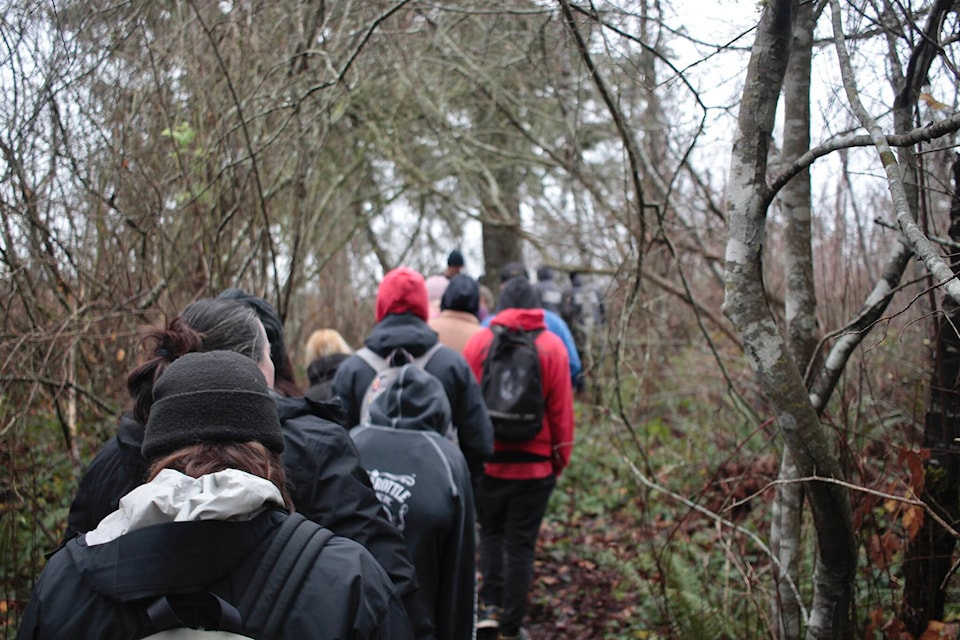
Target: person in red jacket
[{"x": 515, "y": 488}]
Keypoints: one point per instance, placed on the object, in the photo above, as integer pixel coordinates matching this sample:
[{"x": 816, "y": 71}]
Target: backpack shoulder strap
[
  {"x": 373, "y": 360},
  {"x": 281, "y": 573},
  {"x": 164, "y": 613},
  {"x": 498, "y": 331}
]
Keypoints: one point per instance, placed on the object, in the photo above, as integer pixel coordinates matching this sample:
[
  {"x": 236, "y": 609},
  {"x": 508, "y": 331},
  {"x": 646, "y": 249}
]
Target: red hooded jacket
[{"x": 555, "y": 440}]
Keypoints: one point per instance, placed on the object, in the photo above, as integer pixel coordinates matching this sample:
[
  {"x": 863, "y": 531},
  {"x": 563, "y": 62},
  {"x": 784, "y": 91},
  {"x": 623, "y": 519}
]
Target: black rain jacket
[
  {"x": 407, "y": 331},
  {"x": 424, "y": 484},
  {"x": 328, "y": 485},
  {"x": 102, "y": 591}
]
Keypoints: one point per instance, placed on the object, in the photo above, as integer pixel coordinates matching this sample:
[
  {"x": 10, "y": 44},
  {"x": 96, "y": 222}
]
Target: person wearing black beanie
[
  {"x": 191, "y": 547},
  {"x": 217, "y": 396},
  {"x": 454, "y": 263},
  {"x": 322, "y": 467},
  {"x": 459, "y": 307},
  {"x": 461, "y": 294}
]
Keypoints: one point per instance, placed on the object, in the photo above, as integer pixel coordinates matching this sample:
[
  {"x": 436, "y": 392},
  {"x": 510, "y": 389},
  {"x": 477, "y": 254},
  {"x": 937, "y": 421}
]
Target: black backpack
[
  {"x": 512, "y": 384},
  {"x": 267, "y": 598}
]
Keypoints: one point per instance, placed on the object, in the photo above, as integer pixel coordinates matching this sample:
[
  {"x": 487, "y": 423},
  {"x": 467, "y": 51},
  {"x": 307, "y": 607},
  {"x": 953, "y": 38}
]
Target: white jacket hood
[{"x": 230, "y": 494}]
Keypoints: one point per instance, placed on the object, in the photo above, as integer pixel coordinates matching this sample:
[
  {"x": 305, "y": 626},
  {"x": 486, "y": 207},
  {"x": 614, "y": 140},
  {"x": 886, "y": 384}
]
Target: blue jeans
[{"x": 510, "y": 513}]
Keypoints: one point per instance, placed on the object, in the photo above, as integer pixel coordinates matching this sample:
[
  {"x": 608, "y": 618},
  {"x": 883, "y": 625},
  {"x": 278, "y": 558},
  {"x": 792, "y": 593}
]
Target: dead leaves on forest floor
[{"x": 574, "y": 596}]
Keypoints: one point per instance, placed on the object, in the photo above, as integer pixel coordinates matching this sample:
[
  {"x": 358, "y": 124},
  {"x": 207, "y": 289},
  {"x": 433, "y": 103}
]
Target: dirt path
[{"x": 574, "y": 596}]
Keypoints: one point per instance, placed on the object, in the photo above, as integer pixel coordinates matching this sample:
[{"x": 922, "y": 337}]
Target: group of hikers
[{"x": 229, "y": 500}]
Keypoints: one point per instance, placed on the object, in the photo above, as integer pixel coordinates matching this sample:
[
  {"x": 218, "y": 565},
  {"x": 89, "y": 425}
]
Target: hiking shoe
[
  {"x": 489, "y": 618},
  {"x": 521, "y": 635}
]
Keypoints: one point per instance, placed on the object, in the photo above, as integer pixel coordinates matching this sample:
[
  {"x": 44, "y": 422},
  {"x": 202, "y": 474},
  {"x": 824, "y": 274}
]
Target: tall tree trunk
[
  {"x": 746, "y": 306},
  {"x": 930, "y": 553},
  {"x": 801, "y": 314},
  {"x": 500, "y": 201}
]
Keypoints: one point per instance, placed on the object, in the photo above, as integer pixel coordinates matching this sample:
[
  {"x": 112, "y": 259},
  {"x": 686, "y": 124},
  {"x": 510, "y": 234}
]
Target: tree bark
[
  {"x": 801, "y": 314},
  {"x": 929, "y": 554},
  {"x": 500, "y": 201},
  {"x": 746, "y": 306}
]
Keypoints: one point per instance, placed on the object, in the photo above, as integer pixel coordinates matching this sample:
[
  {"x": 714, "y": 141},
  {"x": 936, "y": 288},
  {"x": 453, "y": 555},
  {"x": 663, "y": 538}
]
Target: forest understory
[{"x": 617, "y": 561}]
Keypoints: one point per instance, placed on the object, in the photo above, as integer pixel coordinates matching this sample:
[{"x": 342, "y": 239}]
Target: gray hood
[{"x": 415, "y": 401}]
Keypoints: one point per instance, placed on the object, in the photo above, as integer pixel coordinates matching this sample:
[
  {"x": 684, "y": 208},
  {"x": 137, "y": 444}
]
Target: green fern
[{"x": 699, "y": 608}]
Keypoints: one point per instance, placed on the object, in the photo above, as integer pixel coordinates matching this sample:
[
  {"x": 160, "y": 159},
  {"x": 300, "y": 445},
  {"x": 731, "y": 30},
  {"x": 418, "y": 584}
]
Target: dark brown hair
[{"x": 209, "y": 457}]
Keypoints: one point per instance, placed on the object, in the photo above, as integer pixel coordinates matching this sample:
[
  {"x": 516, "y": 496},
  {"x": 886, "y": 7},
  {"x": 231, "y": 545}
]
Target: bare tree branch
[{"x": 932, "y": 131}]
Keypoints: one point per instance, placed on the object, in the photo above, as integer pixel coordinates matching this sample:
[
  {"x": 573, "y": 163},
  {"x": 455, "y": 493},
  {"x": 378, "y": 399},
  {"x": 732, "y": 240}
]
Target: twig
[
  {"x": 922, "y": 134},
  {"x": 912, "y": 501},
  {"x": 719, "y": 521},
  {"x": 254, "y": 165}
]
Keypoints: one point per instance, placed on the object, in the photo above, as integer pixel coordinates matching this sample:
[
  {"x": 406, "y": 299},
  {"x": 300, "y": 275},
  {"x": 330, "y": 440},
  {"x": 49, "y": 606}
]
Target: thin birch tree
[{"x": 746, "y": 305}]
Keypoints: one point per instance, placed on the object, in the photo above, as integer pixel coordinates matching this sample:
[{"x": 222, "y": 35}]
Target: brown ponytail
[{"x": 161, "y": 346}]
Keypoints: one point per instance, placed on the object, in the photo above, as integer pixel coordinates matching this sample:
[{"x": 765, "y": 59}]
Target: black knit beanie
[
  {"x": 216, "y": 396},
  {"x": 455, "y": 259},
  {"x": 517, "y": 293},
  {"x": 461, "y": 294}
]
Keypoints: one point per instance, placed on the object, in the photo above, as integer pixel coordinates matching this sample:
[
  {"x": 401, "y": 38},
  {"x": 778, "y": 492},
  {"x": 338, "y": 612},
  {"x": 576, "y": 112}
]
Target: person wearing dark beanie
[
  {"x": 326, "y": 481},
  {"x": 462, "y": 294},
  {"x": 454, "y": 263},
  {"x": 459, "y": 307},
  {"x": 402, "y": 311},
  {"x": 217, "y": 396},
  {"x": 183, "y": 549}
]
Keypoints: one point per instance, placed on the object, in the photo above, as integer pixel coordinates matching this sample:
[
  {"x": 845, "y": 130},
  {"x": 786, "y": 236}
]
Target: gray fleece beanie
[{"x": 216, "y": 396}]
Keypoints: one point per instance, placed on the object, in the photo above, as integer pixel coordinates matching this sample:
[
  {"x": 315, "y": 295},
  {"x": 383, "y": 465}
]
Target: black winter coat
[
  {"x": 102, "y": 591},
  {"x": 407, "y": 331},
  {"x": 328, "y": 485},
  {"x": 424, "y": 484},
  {"x": 321, "y": 372}
]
